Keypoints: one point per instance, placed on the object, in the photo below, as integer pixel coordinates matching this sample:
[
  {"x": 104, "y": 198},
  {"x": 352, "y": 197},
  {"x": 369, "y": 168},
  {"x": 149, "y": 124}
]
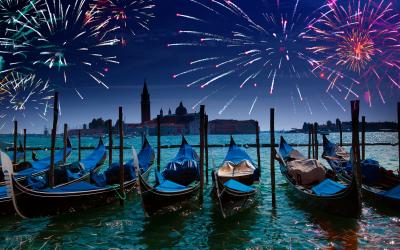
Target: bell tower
[{"x": 145, "y": 103}]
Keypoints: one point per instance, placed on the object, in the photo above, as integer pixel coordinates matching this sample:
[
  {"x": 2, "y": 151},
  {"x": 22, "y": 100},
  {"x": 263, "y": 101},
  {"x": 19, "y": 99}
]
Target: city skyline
[{"x": 148, "y": 56}]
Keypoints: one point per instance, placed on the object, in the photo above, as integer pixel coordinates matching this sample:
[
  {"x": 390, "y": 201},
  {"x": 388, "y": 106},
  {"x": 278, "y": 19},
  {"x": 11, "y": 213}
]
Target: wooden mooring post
[
  {"x": 110, "y": 142},
  {"x": 313, "y": 140},
  {"x": 53, "y": 139},
  {"x": 309, "y": 142},
  {"x": 340, "y": 133},
  {"x": 202, "y": 107},
  {"x": 398, "y": 131},
  {"x": 206, "y": 145},
  {"x": 272, "y": 167},
  {"x": 158, "y": 143},
  {"x": 65, "y": 137},
  {"x": 15, "y": 141},
  {"x": 79, "y": 145},
  {"x": 363, "y": 125},
  {"x": 355, "y": 109},
  {"x": 121, "y": 157},
  {"x": 24, "y": 144},
  {"x": 258, "y": 148},
  {"x": 316, "y": 144}
]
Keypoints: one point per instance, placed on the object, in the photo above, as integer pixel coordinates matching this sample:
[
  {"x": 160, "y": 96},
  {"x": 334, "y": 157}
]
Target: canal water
[{"x": 290, "y": 225}]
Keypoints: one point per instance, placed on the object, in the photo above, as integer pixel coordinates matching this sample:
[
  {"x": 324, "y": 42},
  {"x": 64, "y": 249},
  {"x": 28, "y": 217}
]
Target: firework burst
[
  {"x": 24, "y": 95},
  {"x": 121, "y": 19},
  {"x": 253, "y": 50},
  {"x": 62, "y": 42},
  {"x": 358, "y": 41}
]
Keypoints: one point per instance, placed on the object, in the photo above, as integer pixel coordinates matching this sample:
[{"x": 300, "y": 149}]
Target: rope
[{"x": 116, "y": 187}]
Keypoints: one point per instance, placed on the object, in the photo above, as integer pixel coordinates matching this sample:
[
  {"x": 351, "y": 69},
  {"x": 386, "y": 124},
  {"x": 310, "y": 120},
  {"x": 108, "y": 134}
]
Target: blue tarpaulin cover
[
  {"x": 71, "y": 171},
  {"x": 328, "y": 187},
  {"x": 170, "y": 186},
  {"x": 370, "y": 170},
  {"x": 184, "y": 169},
  {"x": 3, "y": 191},
  {"x": 235, "y": 185},
  {"x": 288, "y": 152},
  {"x": 236, "y": 154},
  {"x": 73, "y": 187},
  {"x": 393, "y": 193},
  {"x": 111, "y": 174},
  {"x": 44, "y": 164}
]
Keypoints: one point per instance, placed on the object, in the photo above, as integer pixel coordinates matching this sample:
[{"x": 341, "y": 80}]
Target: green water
[{"x": 291, "y": 225}]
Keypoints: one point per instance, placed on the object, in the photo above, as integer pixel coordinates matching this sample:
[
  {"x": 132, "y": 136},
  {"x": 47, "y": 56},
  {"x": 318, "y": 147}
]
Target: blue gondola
[
  {"x": 328, "y": 195},
  {"x": 178, "y": 182},
  {"x": 37, "y": 179},
  {"x": 77, "y": 195},
  {"x": 378, "y": 184},
  {"x": 233, "y": 181}
]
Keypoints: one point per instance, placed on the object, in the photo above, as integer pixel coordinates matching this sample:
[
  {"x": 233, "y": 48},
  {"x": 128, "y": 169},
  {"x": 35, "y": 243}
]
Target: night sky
[{"x": 147, "y": 57}]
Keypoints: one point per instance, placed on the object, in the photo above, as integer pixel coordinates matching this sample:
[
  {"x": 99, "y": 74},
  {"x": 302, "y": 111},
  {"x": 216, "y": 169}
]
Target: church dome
[{"x": 180, "y": 110}]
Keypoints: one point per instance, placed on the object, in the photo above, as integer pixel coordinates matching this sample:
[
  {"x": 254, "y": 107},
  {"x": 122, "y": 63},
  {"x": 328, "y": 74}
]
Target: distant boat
[{"x": 379, "y": 185}]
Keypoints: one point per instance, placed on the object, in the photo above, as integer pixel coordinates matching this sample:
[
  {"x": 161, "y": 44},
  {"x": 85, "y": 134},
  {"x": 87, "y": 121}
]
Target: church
[{"x": 180, "y": 122}]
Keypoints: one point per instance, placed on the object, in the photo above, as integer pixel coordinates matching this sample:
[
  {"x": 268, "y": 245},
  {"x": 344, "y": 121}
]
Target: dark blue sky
[{"x": 148, "y": 57}]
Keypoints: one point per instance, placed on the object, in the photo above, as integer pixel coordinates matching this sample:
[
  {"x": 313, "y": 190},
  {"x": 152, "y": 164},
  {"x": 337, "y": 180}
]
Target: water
[{"x": 290, "y": 225}]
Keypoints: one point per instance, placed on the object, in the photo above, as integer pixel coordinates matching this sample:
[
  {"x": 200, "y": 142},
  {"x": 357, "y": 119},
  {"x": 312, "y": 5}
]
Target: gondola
[
  {"x": 64, "y": 175},
  {"x": 378, "y": 184},
  {"x": 178, "y": 182},
  {"x": 76, "y": 196},
  {"x": 40, "y": 167},
  {"x": 325, "y": 194},
  {"x": 233, "y": 181}
]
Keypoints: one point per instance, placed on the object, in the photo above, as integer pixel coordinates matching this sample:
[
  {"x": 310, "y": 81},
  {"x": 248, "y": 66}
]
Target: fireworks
[
  {"x": 358, "y": 41},
  {"x": 121, "y": 18},
  {"x": 258, "y": 50},
  {"x": 24, "y": 95}
]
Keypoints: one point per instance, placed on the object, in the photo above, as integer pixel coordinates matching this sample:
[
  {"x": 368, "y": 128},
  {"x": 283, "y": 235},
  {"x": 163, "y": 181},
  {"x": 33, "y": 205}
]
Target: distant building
[
  {"x": 232, "y": 127},
  {"x": 145, "y": 104}
]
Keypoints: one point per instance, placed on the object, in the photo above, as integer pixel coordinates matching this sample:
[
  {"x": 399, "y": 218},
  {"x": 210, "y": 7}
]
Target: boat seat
[
  {"x": 328, "y": 187},
  {"x": 237, "y": 186},
  {"x": 73, "y": 187},
  {"x": 393, "y": 193},
  {"x": 170, "y": 186}
]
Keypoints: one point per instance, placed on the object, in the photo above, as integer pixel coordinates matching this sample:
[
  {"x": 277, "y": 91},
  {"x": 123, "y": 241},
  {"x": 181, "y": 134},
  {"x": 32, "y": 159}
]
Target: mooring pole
[
  {"x": 79, "y": 145},
  {"x": 206, "y": 144},
  {"x": 316, "y": 140},
  {"x": 398, "y": 131},
  {"x": 272, "y": 169},
  {"x": 258, "y": 148},
  {"x": 110, "y": 142},
  {"x": 309, "y": 142},
  {"x": 121, "y": 157},
  {"x": 363, "y": 125},
  {"x": 65, "y": 136},
  {"x": 24, "y": 144},
  {"x": 340, "y": 133},
  {"x": 313, "y": 140},
  {"x": 53, "y": 139},
  {"x": 15, "y": 141},
  {"x": 355, "y": 109},
  {"x": 158, "y": 143},
  {"x": 202, "y": 107}
]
